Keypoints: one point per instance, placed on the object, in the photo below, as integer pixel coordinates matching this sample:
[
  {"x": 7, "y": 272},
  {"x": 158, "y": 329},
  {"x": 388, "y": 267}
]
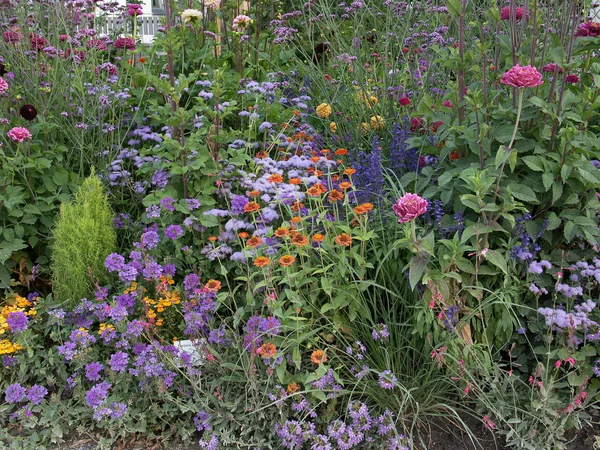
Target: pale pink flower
[
  {"x": 522, "y": 77},
  {"x": 19, "y": 134},
  {"x": 240, "y": 23},
  {"x": 409, "y": 207},
  {"x": 3, "y": 86}
]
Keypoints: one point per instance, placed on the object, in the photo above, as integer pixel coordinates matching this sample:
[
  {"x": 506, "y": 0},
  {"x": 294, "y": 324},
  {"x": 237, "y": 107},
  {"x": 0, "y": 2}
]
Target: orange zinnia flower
[
  {"x": 341, "y": 151},
  {"x": 315, "y": 159},
  {"x": 287, "y": 260},
  {"x": 313, "y": 192},
  {"x": 318, "y": 357},
  {"x": 335, "y": 196},
  {"x": 367, "y": 206},
  {"x": 213, "y": 285},
  {"x": 296, "y": 206},
  {"x": 292, "y": 388},
  {"x": 267, "y": 350},
  {"x": 349, "y": 171},
  {"x": 212, "y": 238},
  {"x": 254, "y": 241},
  {"x": 142, "y": 60},
  {"x": 251, "y": 207},
  {"x": 318, "y": 237},
  {"x": 325, "y": 151},
  {"x": 254, "y": 193},
  {"x": 296, "y": 112},
  {"x": 299, "y": 239},
  {"x": 344, "y": 239},
  {"x": 295, "y": 181},
  {"x": 262, "y": 154},
  {"x": 262, "y": 261},
  {"x": 296, "y": 219},
  {"x": 243, "y": 234},
  {"x": 345, "y": 185},
  {"x": 275, "y": 178},
  {"x": 359, "y": 210},
  {"x": 282, "y": 232}
]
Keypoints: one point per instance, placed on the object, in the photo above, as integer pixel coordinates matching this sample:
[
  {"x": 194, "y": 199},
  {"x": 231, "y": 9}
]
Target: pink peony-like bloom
[
  {"x": 551, "y": 67},
  {"x": 572, "y": 79},
  {"x": 409, "y": 207},
  {"x": 588, "y": 29},
  {"x": 505, "y": 13},
  {"x": 19, "y": 134},
  {"x": 3, "y": 86},
  {"x": 128, "y": 43},
  {"x": 522, "y": 77}
]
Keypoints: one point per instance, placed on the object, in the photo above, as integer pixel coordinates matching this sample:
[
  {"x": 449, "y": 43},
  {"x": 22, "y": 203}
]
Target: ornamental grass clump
[{"x": 82, "y": 239}]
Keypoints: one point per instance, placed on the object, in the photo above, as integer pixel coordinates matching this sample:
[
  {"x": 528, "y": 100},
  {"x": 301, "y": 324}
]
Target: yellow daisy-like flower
[
  {"x": 377, "y": 123},
  {"x": 365, "y": 127},
  {"x": 324, "y": 110},
  {"x": 333, "y": 127}
]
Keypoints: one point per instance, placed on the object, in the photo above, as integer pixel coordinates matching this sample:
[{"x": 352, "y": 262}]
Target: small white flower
[{"x": 191, "y": 15}]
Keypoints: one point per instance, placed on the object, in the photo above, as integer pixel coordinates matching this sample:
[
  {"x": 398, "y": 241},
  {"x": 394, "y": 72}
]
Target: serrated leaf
[
  {"x": 502, "y": 155},
  {"x": 523, "y": 193},
  {"x": 534, "y": 163},
  {"x": 557, "y": 190},
  {"x": 497, "y": 259}
]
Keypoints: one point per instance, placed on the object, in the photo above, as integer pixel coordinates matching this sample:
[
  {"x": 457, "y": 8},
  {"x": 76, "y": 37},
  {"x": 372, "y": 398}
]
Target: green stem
[{"x": 512, "y": 141}]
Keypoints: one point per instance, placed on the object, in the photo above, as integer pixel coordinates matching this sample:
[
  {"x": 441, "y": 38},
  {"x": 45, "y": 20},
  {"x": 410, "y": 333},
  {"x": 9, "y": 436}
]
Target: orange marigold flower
[
  {"x": 212, "y": 238},
  {"x": 345, "y": 185},
  {"x": 335, "y": 195},
  {"x": 275, "y": 178},
  {"x": 295, "y": 181},
  {"x": 254, "y": 193},
  {"x": 318, "y": 357},
  {"x": 213, "y": 285},
  {"x": 299, "y": 239},
  {"x": 344, "y": 240},
  {"x": 341, "y": 151},
  {"x": 243, "y": 234},
  {"x": 254, "y": 241},
  {"x": 251, "y": 207},
  {"x": 262, "y": 154},
  {"x": 292, "y": 388},
  {"x": 318, "y": 237},
  {"x": 267, "y": 350},
  {"x": 282, "y": 232},
  {"x": 296, "y": 219},
  {"x": 349, "y": 171},
  {"x": 262, "y": 261},
  {"x": 287, "y": 260}
]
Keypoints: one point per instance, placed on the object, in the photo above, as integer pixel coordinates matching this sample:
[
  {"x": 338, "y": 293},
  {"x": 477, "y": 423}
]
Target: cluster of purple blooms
[
  {"x": 359, "y": 431},
  {"x": 258, "y": 327},
  {"x": 15, "y": 393}
]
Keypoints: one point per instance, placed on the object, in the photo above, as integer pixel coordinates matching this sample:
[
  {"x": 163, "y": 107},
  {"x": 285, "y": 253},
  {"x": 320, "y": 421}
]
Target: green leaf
[
  {"x": 417, "y": 267},
  {"x": 570, "y": 231},
  {"x": 502, "y": 155},
  {"x": 523, "y": 193},
  {"x": 454, "y": 7},
  {"x": 497, "y": 259},
  {"x": 534, "y": 163},
  {"x": 557, "y": 190}
]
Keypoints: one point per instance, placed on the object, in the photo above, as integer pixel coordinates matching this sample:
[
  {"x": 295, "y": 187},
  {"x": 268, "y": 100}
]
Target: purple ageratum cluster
[
  {"x": 257, "y": 327},
  {"x": 562, "y": 321},
  {"x": 360, "y": 429}
]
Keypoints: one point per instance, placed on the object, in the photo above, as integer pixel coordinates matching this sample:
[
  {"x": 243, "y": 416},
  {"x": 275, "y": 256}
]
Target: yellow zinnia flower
[{"x": 324, "y": 110}]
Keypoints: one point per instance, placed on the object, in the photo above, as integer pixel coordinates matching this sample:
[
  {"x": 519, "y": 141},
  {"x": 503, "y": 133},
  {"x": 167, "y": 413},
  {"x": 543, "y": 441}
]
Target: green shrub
[{"x": 82, "y": 239}]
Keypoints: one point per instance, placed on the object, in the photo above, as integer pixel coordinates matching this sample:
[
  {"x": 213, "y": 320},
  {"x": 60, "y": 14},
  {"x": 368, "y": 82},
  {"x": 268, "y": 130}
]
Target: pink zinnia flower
[
  {"x": 505, "y": 13},
  {"x": 133, "y": 9},
  {"x": 19, "y": 134},
  {"x": 522, "y": 77},
  {"x": 588, "y": 29},
  {"x": 572, "y": 79},
  {"x": 551, "y": 67},
  {"x": 409, "y": 207},
  {"x": 3, "y": 86},
  {"x": 404, "y": 101},
  {"x": 240, "y": 23}
]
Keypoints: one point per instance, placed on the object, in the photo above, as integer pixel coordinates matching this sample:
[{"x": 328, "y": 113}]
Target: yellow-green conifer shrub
[{"x": 82, "y": 239}]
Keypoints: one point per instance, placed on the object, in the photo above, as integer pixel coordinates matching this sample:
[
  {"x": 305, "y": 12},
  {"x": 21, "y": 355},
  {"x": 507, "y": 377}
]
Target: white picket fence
[{"x": 147, "y": 26}]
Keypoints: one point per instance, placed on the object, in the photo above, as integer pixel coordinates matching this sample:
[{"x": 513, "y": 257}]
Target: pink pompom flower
[
  {"x": 572, "y": 79},
  {"x": 19, "y": 134},
  {"x": 519, "y": 13},
  {"x": 133, "y": 9},
  {"x": 551, "y": 67},
  {"x": 522, "y": 77},
  {"x": 240, "y": 23},
  {"x": 128, "y": 43},
  {"x": 409, "y": 207}
]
